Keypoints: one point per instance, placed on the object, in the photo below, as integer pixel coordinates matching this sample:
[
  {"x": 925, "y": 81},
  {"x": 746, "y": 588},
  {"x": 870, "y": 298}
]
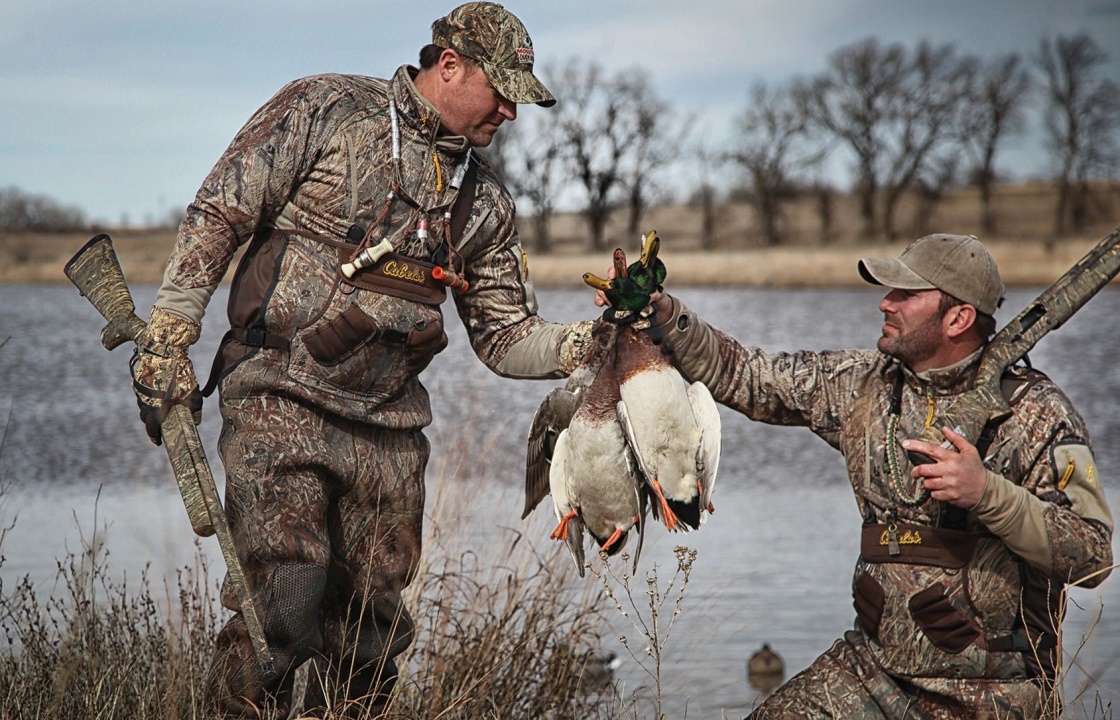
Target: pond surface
[{"x": 773, "y": 563}]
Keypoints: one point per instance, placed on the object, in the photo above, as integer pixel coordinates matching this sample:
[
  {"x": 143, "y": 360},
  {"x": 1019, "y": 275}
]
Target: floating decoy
[
  {"x": 765, "y": 669},
  {"x": 598, "y": 670}
]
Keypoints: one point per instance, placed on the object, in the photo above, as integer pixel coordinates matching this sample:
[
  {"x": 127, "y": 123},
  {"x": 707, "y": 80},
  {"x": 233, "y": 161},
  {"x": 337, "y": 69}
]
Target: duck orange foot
[
  {"x": 667, "y": 515},
  {"x": 561, "y": 531}
]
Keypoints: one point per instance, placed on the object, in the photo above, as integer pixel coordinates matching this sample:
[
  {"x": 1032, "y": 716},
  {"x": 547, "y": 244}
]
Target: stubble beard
[{"x": 914, "y": 346}]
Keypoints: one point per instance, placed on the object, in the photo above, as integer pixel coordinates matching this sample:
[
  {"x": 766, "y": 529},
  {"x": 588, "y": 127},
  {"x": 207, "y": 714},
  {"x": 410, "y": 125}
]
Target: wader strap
[
  {"x": 461, "y": 212},
  {"x": 917, "y": 545},
  {"x": 1018, "y": 641},
  {"x": 253, "y": 337}
]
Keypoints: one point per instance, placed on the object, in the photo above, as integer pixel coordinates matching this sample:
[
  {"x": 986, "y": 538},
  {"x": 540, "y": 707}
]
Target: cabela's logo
[
  {"x": 404, "y": 271},
  {"x": 908, "y": 537}
]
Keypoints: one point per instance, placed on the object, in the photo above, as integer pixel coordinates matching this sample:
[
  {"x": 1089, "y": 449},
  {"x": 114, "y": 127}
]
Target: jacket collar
[
  {"x": 951, "y": 380},
  {"x": 419, "y": 115}
]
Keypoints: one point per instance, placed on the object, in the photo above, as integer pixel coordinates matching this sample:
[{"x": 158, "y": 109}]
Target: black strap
[
  {"x": 253, "y": 337},
  {"x": 1019, "y": 641}
]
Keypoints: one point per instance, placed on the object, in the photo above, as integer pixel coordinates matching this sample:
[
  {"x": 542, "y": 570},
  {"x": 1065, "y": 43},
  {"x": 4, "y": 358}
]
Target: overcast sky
[{"x": 121, "y": 107}]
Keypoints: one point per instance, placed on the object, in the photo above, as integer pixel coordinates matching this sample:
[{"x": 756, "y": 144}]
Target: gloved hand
[{"x": 162, "y": 374}]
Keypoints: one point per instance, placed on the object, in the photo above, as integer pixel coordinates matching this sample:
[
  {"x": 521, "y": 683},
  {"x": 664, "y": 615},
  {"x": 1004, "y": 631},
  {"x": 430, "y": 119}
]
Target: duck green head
[{"x": 632, "y": 285}]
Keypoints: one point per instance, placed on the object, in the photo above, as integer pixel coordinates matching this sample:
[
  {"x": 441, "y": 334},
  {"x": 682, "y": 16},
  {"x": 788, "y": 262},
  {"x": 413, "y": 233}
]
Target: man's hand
[
  {"x": 957, "y": 476},
  {"x": 162, "y": 374},
  {"x": 659, "y": 306}
]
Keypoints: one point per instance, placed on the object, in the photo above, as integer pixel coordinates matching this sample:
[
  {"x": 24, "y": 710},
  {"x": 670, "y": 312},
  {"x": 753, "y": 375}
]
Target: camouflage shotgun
[
  {"x": 97, "y": 274},
  {"x": 985, "y": 403}
]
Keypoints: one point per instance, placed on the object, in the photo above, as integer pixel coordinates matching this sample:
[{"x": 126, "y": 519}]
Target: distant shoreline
[{"x": 30, "y": 258}]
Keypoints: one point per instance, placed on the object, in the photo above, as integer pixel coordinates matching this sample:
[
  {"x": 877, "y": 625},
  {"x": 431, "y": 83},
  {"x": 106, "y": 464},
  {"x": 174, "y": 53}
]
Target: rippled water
[{"x": 774, "y": 562}]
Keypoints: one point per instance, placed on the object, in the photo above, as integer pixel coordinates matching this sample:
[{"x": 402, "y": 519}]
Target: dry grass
[{"x": 1024, "y": 247}]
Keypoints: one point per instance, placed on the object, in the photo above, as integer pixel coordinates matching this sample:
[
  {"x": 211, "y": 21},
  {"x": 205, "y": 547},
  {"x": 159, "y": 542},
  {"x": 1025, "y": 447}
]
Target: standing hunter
[
  {"x": 958, "y": 587},
  {"x": 363, "y": 206}
]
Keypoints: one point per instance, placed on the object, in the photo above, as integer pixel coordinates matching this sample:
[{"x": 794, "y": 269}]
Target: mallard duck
[
  {"x": 673, "y": 428},
  {"x": 578, "y": 452}
]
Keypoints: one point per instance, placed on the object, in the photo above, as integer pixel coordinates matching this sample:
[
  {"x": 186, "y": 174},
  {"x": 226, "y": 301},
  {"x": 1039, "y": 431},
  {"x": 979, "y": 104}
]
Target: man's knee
[{"x": 291, "y": 621}]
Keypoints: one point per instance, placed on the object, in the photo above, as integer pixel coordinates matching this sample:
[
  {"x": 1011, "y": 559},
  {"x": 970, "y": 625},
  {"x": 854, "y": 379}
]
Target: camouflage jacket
[
  {"x": 944, "y": 601},
  {"x": 311, "y": 164}
]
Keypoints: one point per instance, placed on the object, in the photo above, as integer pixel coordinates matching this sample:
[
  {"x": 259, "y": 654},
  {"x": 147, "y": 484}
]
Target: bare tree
[
  {"x": 660, "y": 135},
  {"x": 706, "y": 162},
  {"x": 927, "y": 131},
  {"x": 772, "y": 148},
  {"x": 1081, "y": 116},
  {"x": 896, "y": 113},
  {"x": 599, "y": 126},
  {"x": 527, "y": 155},
  {"x": 852, "y": 100},
  {"x": 25, "y": 211},
  {"x": 997, "y": 111}
]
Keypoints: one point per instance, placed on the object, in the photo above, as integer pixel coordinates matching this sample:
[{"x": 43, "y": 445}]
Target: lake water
[{"x": 774, "y": 562}]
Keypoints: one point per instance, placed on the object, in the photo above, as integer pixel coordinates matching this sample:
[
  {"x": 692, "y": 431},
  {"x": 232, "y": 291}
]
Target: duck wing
[
  {"x": 565, "y": 505},
  {"x": 706, "y": 412},
  {"x": 552, "y": 418}
]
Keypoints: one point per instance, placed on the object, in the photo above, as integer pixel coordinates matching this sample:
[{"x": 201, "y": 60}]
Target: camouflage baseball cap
[
  {"x": 494, "y": 38},
  {"x": 956, "y": 264}
]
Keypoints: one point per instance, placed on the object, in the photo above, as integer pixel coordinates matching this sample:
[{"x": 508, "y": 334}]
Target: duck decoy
[
  {"x": 765, "y": 669},
  {"x": 578, "y": 452},
  {"x": 598, "y": 669}
]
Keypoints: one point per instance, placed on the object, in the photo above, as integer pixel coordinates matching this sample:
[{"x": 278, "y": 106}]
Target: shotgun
[
  {"x": 985, "y": 403},
  {"x": 97, "y": 274}
]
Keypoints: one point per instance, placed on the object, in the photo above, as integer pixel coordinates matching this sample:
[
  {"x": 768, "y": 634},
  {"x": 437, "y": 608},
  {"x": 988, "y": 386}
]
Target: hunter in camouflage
[
  {"x": 958, "y": 598},
  {"x": 318, "y": 376}
]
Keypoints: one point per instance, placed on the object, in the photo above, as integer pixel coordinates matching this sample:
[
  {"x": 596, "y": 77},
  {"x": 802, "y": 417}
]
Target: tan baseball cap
[
  {"x": 494, "y": 38},
  {"x": 956, "y": 264}
]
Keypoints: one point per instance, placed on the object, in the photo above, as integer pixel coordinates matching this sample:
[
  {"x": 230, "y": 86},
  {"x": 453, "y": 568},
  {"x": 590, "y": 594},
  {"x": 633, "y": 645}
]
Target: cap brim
[
  {"x": 520, "y": 86},
  {"x": 892, "y": 273}
]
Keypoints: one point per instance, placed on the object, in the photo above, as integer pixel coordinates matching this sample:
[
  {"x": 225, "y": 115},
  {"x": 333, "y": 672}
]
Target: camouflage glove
[
  {"x": 162, "y": 374},
  {"x": 574, "y": 344}
]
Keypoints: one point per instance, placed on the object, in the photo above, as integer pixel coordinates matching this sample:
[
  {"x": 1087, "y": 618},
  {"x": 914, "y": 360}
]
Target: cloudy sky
[{"x": 120, "y": 108}]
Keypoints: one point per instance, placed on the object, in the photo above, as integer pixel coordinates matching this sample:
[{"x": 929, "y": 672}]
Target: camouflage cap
[
  {"x": 956, "y": 264},
  {"x": 494, "y": 38}
]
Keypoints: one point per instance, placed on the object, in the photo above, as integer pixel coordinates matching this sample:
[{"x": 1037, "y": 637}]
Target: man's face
[
  {"x": 473, "y": 108},
  {"x": 912, "y": 330}
]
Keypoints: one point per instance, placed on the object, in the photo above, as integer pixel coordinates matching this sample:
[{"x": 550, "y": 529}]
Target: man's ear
[
  {"x": 959, "y": 319},
  {"x": 449, "y": 63}
]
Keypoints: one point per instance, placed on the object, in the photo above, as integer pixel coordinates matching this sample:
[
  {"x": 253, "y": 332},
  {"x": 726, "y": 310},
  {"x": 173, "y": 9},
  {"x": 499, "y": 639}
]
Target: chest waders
[{"x": 952, "y": 545}]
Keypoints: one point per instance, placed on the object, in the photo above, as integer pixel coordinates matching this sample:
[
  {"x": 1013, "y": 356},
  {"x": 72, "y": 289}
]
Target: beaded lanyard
[{"x": 900, "y": 494}]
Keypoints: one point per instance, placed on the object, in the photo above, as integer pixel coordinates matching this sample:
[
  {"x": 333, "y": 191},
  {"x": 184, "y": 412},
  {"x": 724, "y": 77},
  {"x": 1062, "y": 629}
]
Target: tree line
[{"x": 905, "y": 122}]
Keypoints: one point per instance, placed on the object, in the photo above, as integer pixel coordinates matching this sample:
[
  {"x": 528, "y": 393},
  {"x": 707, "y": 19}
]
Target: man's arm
[
  {"x": 1057, "y": 518},
  {"x": 500, "y": 309}
]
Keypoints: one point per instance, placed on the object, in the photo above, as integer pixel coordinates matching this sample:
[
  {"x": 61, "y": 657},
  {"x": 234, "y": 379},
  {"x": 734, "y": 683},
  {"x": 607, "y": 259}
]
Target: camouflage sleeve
[
  {"x": 500, "y": 309},
  {"x": 801, "y": 388},
  {"x": 250, "y": 182},
  {"x": 1057, "y": 517}
]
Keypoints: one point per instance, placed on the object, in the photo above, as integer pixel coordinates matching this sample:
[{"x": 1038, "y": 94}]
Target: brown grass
[{"x": 1024, "y": 247}]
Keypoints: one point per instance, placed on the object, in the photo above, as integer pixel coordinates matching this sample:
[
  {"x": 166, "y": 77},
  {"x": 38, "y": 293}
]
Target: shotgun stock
[
  {"x": 97, "y": 274},
  {"x": 985, "y": 403}
]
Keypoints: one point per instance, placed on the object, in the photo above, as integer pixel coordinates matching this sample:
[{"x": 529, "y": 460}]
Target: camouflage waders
[
  {"x": 846, "y": 682},
  {"x": 327, "y": 515}
]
